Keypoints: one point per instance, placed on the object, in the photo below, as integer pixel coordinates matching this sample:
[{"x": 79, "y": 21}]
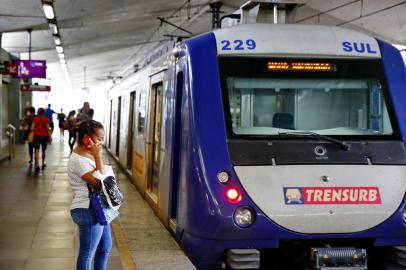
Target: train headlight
[
  {"x": 244, "y": 216},
  {"x": 223, "y": 177}
]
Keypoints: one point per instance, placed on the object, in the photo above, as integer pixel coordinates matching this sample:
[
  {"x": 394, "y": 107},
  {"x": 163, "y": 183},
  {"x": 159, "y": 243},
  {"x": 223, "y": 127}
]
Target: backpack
[{"x": 65, "y": 125}]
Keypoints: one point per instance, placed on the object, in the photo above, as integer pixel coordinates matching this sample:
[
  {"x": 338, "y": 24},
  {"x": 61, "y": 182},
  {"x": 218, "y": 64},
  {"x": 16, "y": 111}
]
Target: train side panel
[{"x": 134, "y": 128}]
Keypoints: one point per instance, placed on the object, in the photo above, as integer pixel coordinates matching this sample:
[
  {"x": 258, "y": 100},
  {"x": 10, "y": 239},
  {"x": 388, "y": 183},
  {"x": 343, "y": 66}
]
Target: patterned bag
[
  {"x": 112, "y": 194},
  {"x": 109, "y": 190}
]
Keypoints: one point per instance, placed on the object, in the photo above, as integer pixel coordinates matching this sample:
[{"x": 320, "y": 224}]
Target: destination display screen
[{"x": 301, "y": 66}]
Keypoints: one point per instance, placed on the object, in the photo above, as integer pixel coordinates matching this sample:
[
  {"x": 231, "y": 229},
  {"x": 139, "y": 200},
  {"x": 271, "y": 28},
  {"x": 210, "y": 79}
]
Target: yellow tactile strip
[
  {"x": 22, "y": 163},
  {"x": 126, "y": 259}
]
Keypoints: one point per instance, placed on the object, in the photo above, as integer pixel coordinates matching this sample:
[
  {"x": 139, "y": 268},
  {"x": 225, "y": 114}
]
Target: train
[{"x": 266, "y": 146}]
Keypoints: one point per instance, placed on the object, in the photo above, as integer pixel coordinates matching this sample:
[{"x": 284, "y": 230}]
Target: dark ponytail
[{"x": 89, "y": 128}]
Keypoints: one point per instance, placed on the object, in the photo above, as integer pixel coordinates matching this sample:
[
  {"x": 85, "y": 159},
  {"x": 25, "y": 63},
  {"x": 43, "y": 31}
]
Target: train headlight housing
[
  {"x": 223, "y": 177},
  {"x": 404, "y": 214},
  {"x": 244, "y": 216}
]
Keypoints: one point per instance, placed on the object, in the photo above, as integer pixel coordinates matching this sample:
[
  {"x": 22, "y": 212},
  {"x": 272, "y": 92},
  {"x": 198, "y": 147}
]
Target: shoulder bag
[
  {"x": 30, "y": 138},
  {"x": 104, "y": 214}
]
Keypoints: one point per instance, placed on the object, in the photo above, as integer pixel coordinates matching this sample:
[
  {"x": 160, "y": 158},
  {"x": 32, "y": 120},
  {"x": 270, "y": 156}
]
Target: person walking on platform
[
  {"x": 61, "y": 120},
  {"x": 49, "y": 113},
  {"x": 94, "y": 238},
  {"x": 72, "y": 129},
  {"x": 42, "y": 136},
  {"x": 28, "y": 119},
  {"x": 85, "y": 113}
]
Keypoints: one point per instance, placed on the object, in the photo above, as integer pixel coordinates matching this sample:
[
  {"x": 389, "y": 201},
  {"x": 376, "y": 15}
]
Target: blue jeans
[{"x": 95, "y": 240}]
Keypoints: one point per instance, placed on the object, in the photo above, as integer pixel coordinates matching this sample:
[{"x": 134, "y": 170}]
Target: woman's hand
[{"x": 95, "y": 149}]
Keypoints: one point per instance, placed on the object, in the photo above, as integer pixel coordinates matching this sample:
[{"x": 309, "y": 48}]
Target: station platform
[{"x": 37, "y": 232}]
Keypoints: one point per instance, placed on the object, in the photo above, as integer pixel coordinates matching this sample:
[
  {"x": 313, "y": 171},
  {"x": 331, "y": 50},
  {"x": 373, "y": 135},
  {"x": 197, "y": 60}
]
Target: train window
[
  {"x": 110, "y": 122},
  {"x": 141, "y": 113},
  {"x": 332, "y": 104},
  {"x": 118, "y": 127}
]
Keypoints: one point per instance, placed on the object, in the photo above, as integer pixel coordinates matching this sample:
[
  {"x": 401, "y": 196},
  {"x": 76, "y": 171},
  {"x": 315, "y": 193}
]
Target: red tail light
[{"x": 234, "y": 195}]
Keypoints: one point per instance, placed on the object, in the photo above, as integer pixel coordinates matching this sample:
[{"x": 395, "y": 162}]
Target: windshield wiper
[{"x": 315, "y": 135}]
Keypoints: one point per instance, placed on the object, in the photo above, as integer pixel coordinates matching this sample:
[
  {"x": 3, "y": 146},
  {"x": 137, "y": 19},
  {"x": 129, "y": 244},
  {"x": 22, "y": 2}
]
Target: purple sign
[{"x": 31, "y": 68}]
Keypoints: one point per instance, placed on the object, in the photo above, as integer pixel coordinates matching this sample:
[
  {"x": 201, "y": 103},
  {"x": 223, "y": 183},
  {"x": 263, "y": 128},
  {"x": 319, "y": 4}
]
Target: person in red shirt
[{"x": 42, "y": 136}]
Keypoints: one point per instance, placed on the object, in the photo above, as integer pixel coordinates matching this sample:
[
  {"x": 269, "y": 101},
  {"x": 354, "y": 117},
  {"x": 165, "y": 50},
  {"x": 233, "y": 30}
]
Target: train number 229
[{"x": 238, "y": 45}]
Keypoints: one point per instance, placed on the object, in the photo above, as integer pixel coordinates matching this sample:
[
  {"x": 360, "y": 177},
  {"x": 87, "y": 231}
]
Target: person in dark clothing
[
  {"x": 61, "y": 120},
  {"x": 91, "y": 113},
  {"x": 72, "y": 128},
  {"x": 28, "y": 119},
  {"x": 85, "y": 113}
]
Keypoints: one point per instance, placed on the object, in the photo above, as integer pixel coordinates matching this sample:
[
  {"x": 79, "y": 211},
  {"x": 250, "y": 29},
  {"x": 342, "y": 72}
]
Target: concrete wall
[
  {"x": 11, "y": 106},
  {"x": 3, "y": 118}
]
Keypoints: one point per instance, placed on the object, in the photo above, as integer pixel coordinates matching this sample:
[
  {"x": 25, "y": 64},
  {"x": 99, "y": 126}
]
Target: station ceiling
[{"x": 110, "y": 37}]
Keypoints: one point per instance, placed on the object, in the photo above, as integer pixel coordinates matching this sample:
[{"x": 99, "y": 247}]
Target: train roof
[{"x": 295, "y": 39}]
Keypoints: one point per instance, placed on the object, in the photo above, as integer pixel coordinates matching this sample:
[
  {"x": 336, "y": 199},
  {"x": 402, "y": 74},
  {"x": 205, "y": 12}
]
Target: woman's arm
[
  {"x": 89, "y": 178},
  {"x": 99, "y": 163},
  {"x": 96, "y": 153}
]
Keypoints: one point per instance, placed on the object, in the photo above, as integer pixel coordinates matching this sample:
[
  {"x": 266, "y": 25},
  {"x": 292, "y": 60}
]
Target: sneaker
[
  {"x": 43, "y": 166},
  {"x": 30, "y": 161}
]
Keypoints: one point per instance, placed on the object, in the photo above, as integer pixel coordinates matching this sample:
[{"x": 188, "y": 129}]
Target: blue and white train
[{"x": 271, "y": 146}]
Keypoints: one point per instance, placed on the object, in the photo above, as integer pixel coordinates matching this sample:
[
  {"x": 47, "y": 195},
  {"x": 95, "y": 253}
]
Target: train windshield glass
[{"x": 347, "y": 99}]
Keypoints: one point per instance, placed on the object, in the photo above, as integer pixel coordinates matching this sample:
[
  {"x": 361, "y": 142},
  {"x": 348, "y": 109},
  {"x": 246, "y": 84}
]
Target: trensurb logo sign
[
  {"x": 293, "y": 195},
  {"x": 331, "y": 195}
]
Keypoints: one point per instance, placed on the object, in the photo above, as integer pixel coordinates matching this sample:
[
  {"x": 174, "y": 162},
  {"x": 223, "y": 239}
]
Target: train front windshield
[{"x": 264, "y": 97}]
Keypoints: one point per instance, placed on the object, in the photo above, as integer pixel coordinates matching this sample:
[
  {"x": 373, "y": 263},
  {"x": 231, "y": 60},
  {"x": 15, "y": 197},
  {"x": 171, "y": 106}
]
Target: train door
[
  {"x": 154, "y": 141},
  {"x": 110, "y": 122},
  {"x": 131, "y": 128},
  {"x": 118, "y": 127},
  {"x": 176, "y": 151}
]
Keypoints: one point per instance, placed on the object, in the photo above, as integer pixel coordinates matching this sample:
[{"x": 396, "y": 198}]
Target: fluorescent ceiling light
[
  {"x": 63, "y": 61},
  {"x": 49, "y": 11},
  {"x": 61, "y": 55},
  {"x": 57, "y": 41},
  {"x": 59, "y": 49},
  {"x": 54, "y": 28}
]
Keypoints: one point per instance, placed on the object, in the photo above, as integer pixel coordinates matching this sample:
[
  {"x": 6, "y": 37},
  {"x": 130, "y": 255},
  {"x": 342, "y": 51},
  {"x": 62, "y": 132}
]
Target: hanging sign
[
  {"x": 30, "y": 88},
  {"x": 7, "y": 68},
  {"x": 30, "y": 68},
  {"x": 12, "y": 69}
]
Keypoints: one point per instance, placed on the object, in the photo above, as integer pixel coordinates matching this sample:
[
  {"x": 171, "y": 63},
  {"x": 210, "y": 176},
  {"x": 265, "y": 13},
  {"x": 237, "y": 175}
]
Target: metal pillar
[
  {"x": 29, "y": 30},
  {"x": 215, "y": 12},
  {"x": 275, "y": 14}
]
